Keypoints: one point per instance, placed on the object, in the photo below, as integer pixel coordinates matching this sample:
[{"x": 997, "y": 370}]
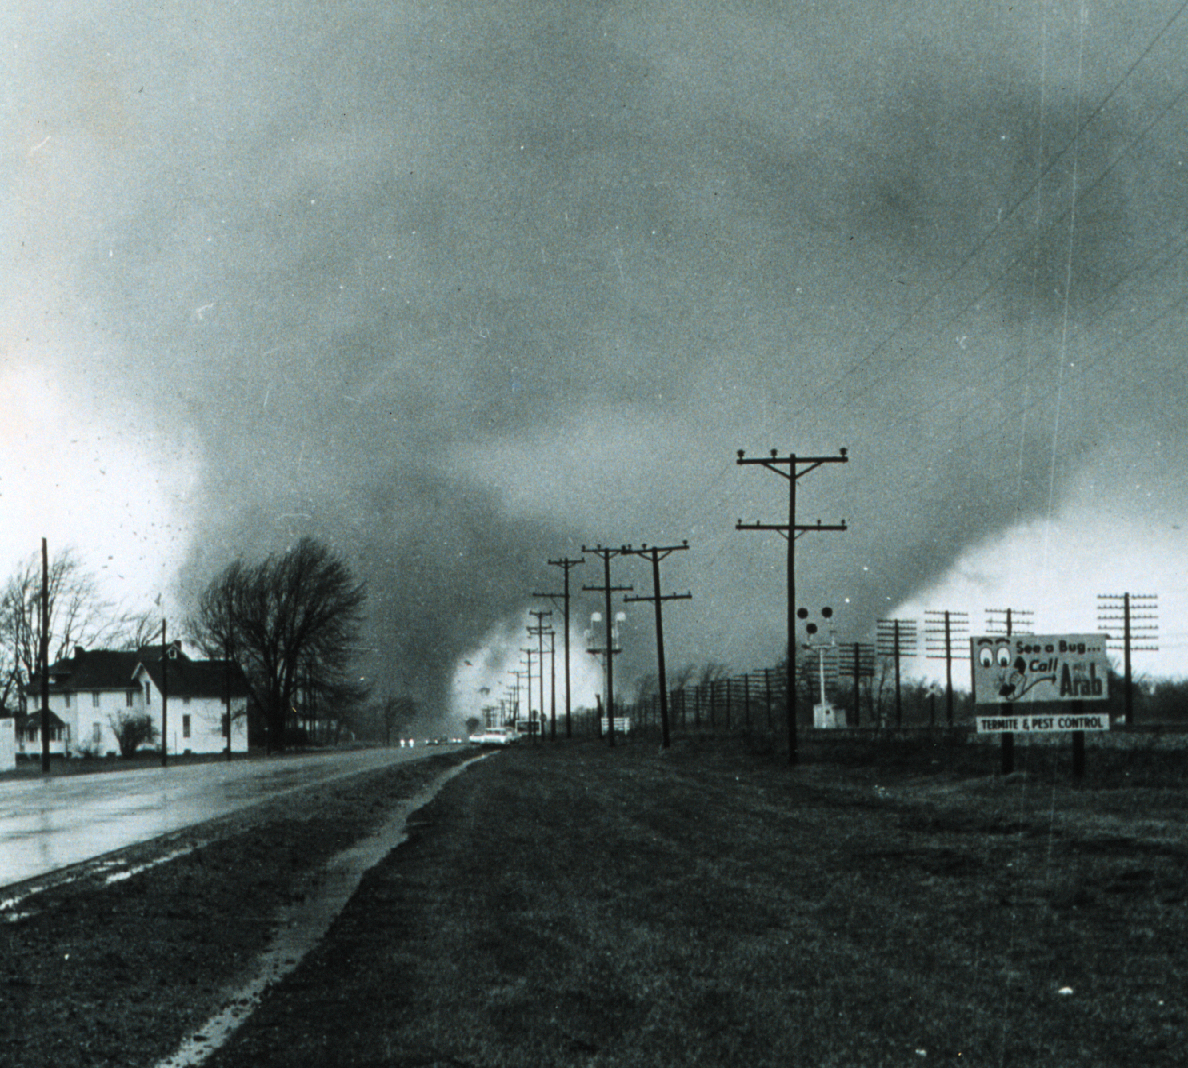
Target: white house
[
  {"x": 93, "y": 689},
  {"x": 196, "y": 699}
]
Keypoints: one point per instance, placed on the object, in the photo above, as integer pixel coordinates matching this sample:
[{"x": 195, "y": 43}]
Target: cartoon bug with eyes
[{"x": 1010, "y": 680}]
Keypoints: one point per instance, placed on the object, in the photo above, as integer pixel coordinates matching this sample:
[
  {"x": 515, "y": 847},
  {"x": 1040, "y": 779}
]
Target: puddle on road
[{"x": 302, "y": 925}]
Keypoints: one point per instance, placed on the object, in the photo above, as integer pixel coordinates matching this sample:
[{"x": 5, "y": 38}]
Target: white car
[{"x": 493, "y": 736}]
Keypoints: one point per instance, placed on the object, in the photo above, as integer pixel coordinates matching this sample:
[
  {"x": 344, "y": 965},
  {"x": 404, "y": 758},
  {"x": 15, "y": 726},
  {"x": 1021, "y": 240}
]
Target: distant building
[{"x": 90, "y": 691}]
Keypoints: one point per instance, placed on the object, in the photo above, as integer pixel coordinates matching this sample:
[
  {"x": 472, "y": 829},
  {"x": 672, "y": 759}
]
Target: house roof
[
  {"x": 196, "y": 678},
  {"x": 33, "y": 719},
  {"x": 90, "y": 669},
  {"x": 115, "y": 669}
]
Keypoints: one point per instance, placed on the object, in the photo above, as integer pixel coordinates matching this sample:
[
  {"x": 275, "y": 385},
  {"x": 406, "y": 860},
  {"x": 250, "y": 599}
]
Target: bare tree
[
  {"x": 712, "y": 671},
  {"x": 77, "y": 616},
  {"x": 135, "y": 630},
  {"x": 682, "y": 676},
  {"x": 290, "y": 620},
  {"x": 646, "y": 687}
]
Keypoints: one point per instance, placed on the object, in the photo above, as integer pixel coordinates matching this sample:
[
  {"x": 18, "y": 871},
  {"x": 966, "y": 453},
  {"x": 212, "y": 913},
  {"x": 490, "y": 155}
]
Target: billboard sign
[{"x": 1034, "y": 668}]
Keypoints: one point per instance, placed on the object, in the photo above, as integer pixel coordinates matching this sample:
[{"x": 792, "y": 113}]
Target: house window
[
  {"x": 185, "y": 726},
  {"x": 129, "y": 696},
  {"x": 95, "y": 699},
  {"x": 66, "y": 698},
  {"x": 148, "y": 692},
  {"x": 96, "y": 733}
]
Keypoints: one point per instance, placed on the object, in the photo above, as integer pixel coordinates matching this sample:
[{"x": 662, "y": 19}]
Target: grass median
[{"x": 570, "y": 904}]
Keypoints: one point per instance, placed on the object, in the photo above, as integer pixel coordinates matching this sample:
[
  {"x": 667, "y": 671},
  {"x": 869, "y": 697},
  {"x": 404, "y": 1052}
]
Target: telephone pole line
[
  {"x": 1132, "y": 610},
  {"x": 529, "y": 653},
  {"x": 860, "y": 665},
  {"x": 607, "y": 589},
  {"x": 896, "y": 638},
  {"x": 797, "y": 467},
  {"x": 940, "y": 628},
  {"x": 539, "y": 630},
  {"x": 520, "y": 675},
  {"x": 164, "y": 697},
  {"x": 43, "y": 655},
  {"x": 656, "y": 553},
  {"x": 1011, "y": 621},
  {"x": 566, "y": 566},
  {"x": 552, "y": 684}
]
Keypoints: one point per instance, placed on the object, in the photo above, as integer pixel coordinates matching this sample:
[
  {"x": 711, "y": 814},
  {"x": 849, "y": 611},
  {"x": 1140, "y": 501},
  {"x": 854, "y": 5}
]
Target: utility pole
[
  {"x": 164, "y": 697},
  {"x": 539, "y": 631},
  {"x": 656, "y": 553},
  {"x": 1132, "y": 610},
  {"x": 939, "y": 630},
  {"x": 1013, "y": 621},
  {"x": 529, "y": 654},
  {"x": 897, "y": 638},
  {"x": 566, "y": 566},
  {"x": 797, "y": 467},
  {"x": 859, "y": 665},
  {"x": 607, "y": 589},
  {"x": 552, "y": 685},
  {"x": 526, "y": 678},
  {"x": 227, "y": 689},
  {"x": 43, "y": 656}
]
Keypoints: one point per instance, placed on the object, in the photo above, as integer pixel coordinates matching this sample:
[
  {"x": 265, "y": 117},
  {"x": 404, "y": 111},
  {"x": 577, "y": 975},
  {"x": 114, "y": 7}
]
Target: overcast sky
[{"x": 459, "y": 288}]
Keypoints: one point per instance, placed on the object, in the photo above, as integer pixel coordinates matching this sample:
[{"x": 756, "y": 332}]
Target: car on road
[{"x": 493, "y": 736}]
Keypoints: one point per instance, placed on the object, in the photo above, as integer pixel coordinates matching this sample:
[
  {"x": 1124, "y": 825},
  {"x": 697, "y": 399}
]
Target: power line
[
  {"x": 656, "y": 553},
  {"x": 797, "y": 467},
  {"x": 1134, "y": 611},
  {"x": 940, "y": 628},
  {"x": 566, "y": 566},
  {"x": 606, "y": 553}
]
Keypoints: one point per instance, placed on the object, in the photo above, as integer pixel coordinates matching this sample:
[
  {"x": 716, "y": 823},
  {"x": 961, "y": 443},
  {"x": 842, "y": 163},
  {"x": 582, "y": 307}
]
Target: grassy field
[{"x": 574, "y": 905}]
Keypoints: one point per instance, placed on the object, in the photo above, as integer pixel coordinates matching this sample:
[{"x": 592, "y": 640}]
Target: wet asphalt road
[{"x": 51, "y": 823}]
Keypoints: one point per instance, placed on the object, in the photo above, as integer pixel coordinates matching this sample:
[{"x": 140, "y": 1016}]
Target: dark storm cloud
[{"x": 368, "y": 256}]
